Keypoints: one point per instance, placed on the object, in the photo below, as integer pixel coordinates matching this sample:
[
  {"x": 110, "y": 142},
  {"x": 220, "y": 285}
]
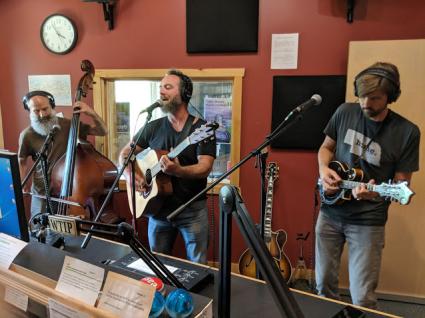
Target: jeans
[
  {"x": 365, "y": 245},
  {"x": 192, "y": 224}
]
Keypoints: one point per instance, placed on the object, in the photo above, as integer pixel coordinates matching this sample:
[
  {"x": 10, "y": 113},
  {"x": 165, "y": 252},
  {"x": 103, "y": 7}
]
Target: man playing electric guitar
[
  {"x": 188, "y": 171},
  {"x": 384, "y": 145}
]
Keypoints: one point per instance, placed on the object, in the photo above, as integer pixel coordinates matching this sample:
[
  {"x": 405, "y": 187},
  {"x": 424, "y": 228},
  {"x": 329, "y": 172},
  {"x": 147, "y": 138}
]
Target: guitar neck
[
  {"x": 171, "y": 155},
  {"x": 268, "y": 212},
  {"x": 349, "y": 185}
]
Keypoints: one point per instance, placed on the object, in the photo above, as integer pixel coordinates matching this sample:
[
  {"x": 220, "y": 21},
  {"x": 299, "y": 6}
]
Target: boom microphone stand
[
  {"x": 231, "y": 202},
  {"x": 130, "y": 158},
  {"x": 295, "y": 115}
]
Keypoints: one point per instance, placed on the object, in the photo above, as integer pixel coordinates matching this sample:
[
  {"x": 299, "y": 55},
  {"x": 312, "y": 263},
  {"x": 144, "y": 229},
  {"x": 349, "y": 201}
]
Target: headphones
[
  {"x": 31, "y": 94},
  {"x": 186, "y": 85},
  {"x": 381, "y": 72}
]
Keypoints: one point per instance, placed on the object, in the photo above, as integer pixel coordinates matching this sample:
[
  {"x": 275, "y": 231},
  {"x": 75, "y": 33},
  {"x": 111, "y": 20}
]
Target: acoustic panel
[
  {"x": 214, "y": 26},
  {"x": 291, "y": 91}
]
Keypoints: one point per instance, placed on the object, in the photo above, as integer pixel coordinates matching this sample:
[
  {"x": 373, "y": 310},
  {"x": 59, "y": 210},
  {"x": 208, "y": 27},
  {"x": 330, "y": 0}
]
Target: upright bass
[{"x": 82, "y": 175}]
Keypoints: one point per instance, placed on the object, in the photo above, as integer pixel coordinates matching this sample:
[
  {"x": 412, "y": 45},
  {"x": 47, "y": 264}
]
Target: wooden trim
[{"x": 34, "y": 287}]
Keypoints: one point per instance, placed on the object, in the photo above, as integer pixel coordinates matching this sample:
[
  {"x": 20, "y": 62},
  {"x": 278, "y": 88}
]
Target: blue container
[
  {"x": 158, "y": 305},
  {"x": 179, "y": 303}
]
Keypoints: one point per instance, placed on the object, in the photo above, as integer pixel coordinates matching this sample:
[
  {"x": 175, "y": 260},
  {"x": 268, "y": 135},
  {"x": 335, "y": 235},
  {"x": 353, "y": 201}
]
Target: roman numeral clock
[{"x": 58, "y": 34}]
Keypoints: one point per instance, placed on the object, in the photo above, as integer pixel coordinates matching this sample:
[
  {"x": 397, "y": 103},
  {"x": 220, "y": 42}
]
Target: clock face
[{"x": 58, "y": 34}]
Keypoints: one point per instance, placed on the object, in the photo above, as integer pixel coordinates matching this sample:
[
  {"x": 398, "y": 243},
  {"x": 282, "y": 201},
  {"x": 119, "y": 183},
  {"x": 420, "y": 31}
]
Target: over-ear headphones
[
  {"x": 186, "y": 85},
  {"x": 187, "y": 88},
  {"x": 31, "y": 94},
  {"x": 381, "y": 72}
]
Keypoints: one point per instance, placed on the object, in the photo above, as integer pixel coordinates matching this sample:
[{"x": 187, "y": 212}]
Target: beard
[
  {"x": 43, "y": 126},
  {"x": 172, "y": 105}
]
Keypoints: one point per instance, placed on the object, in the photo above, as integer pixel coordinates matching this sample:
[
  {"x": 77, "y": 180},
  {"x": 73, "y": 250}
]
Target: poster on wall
[{"x": 57, "y": 85}]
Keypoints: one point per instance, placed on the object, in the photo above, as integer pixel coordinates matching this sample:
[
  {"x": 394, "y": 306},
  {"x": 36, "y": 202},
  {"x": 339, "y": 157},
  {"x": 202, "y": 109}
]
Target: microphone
[
  {"x": 49, "y": 138},
  {"x": 150, "y": 108},
  {"x": 316, "y": 99}
]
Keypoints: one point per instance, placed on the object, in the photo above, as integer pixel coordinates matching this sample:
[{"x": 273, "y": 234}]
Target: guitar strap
[{"x": 186, "y": 129}]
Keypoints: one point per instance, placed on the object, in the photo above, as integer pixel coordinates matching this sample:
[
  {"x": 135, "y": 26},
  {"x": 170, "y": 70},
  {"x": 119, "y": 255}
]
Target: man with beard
[
  {"x": 369, "y": 136},
  {"x": 188, "y": 171},
  {"x": 40, "y": 105}
]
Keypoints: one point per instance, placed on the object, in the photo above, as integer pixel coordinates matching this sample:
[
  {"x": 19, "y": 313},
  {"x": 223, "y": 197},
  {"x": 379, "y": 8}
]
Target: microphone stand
[
  {"x": 42, "y": 159},
  {"x": 125, "y": 232},
  {"x": 130, "y": 157},
  {"x": 283, "y": 126}
]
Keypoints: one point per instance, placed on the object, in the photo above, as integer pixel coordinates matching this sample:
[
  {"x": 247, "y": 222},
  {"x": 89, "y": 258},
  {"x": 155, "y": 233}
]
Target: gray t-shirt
[
  {"x": 30, "y": 142},
  {"x": 380, "y": 149}
]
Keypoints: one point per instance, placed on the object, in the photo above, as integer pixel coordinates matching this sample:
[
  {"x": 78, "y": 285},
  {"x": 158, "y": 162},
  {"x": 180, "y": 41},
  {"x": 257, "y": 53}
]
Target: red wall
[{"x": 151, "y": 34}]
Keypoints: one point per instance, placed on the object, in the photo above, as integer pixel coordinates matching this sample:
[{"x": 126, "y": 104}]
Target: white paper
[
  {"x": 284, "y": 51},
  {"x": 80, "y": 280},
  {"x": 9, "y": 248},
  {"x": 16, "y": 298},
  {"x": 126, "y": 297},
  {"x": 143, "y": 267},
  {"x": 57, "y": 85},
  {"x": 59, "y": 310}
]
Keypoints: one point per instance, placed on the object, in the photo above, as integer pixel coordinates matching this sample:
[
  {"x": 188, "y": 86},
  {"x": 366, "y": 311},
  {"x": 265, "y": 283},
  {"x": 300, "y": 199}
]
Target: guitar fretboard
[
  {"x": 268, "y": 212},
  {"x": 171, "y": 155}
]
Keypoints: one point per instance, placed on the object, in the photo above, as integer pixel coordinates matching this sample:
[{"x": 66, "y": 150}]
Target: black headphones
[
  {"x": 381, "y": 72},
  {"x": 186, "y": 85},
  {"x": 31, "y": 94}
]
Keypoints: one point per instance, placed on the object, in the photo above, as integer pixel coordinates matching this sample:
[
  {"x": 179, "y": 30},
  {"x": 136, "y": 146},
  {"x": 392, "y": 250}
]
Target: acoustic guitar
[
  {"x": 159, "y": 184},
  {"x": 275, "y": 241},
  {"x": 351, "y": 178}
]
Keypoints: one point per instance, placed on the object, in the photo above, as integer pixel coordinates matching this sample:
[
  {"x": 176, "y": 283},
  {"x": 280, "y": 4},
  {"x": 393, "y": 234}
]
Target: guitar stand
[{"x": 231, "y": 204}]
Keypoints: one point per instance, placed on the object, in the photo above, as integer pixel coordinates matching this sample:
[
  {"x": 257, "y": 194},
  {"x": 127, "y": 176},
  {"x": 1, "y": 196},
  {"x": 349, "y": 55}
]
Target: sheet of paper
[
  {"x": 9, "y": 248},
  {"x": 143, "y": 267},
  {"x": 80, "y": 280},
  {"x": 126, "y": 297},
  {"x": 16, "y": 298},
  {"x": 57, "y": 85},
  {"x": 59, "y": 310},
  {"x": 284, "y": 51}
]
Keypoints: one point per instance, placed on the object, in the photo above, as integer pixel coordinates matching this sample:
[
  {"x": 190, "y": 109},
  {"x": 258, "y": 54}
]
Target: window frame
[{"x": 104, "y": 99}]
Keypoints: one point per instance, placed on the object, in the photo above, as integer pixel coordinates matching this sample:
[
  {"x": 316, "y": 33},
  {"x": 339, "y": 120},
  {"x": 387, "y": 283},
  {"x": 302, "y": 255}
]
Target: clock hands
[{"x": 57, "y": 33}]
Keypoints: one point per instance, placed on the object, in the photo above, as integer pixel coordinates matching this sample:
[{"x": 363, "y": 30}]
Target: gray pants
[{"x": 365, "y": 245}]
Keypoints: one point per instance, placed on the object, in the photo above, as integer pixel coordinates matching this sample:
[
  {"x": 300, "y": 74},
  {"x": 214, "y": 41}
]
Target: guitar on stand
[
  {"x": 302, "y": 278},
  {"x": 275, "y": 241}
]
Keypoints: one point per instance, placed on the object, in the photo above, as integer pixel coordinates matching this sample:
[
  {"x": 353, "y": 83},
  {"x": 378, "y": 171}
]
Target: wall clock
[{"x": 58, "y": 34}]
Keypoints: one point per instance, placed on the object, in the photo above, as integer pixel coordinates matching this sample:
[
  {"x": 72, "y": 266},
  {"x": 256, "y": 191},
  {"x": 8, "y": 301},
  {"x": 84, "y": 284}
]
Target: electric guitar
[
  {"x": 159, "y": 184},
  {"x": 274, "y": 240},
  {"x": 352, "y": 177}
]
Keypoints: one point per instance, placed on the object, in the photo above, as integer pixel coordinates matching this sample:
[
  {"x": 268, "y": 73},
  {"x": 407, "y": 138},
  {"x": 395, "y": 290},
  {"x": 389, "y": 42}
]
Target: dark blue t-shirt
[
  {"x": 160, "y": 135},
  {"x": 380, "y": 149}
]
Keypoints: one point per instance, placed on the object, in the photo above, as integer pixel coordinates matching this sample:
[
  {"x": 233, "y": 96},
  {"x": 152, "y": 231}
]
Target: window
[{"x": 120, "y": 95}]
